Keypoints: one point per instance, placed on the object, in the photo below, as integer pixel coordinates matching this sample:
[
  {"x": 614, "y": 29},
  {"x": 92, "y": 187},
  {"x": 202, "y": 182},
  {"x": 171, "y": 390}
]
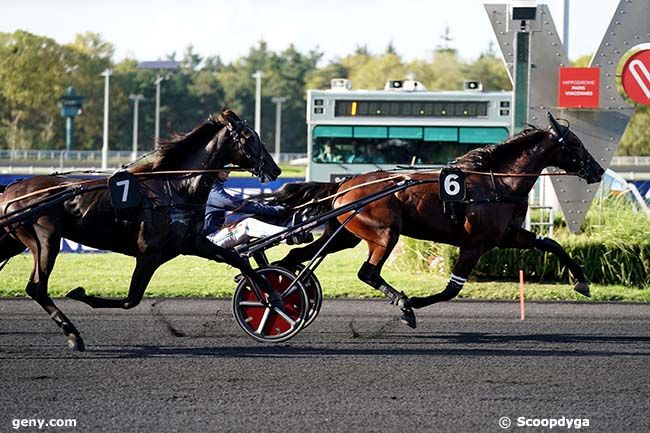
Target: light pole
[
  {"x": 158, "y": 64},
  {"x": 278, "y": 100},
  {"x": 106, "y": 74},
  {"x": 136, "y": 103},
  {"x": 258, "y": 100},
  {"x": 156, "y": 133}
]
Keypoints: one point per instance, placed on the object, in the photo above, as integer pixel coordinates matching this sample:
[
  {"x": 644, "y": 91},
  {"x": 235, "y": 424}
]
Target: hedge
[{"x": 613, "y": 249}]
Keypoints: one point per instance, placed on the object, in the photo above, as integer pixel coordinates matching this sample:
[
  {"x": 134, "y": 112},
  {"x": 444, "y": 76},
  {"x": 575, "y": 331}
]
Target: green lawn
[{"x": 109, "y": 275}]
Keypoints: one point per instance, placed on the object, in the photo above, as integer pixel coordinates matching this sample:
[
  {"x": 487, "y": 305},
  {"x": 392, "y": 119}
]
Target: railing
[
  {"x": 126, "y": 155},
  {"x": 115, "y": 157},
  {"x": 636, "y": 161}
]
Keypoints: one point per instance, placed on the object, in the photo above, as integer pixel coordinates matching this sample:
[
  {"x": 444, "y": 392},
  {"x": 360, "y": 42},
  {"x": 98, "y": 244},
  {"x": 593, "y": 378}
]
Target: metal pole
[
  {"x": 106, "y": 74},
  {"x": 521, "y": 81},
  {"x": 69, "y": 132},
  {"x": 278, "y": 100},
  {"x": 258, "y": 101},
  {"x": 157, "y": 127},
  {"x": 136, "y": 104},
  {"x": 565, "y": 29}
]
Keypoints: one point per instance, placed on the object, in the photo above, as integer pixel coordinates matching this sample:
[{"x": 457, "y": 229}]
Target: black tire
[
  {"x": 258, "y": 319},
  {"x": 314, "y": 294}
]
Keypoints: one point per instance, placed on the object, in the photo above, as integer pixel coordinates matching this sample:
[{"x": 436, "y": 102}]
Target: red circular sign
[{"x": 636, "y": 77}]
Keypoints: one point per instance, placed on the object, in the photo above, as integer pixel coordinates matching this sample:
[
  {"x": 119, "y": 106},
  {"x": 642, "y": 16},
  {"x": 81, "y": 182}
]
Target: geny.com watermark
[
  {"x": 40, "y": 423},
  {"x": 549, "y": 423}
]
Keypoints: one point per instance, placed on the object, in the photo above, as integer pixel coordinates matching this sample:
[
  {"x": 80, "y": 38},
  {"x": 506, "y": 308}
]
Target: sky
[{"x": 150, "y": 30}]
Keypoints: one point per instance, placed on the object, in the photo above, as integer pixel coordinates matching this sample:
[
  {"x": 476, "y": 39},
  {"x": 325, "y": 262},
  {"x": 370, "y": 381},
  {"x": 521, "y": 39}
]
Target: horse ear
[
  {"x": 554, "y": 123},
  {"x": 221, "y": 118}
]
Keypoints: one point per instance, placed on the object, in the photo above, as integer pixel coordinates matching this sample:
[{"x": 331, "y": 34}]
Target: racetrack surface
[{"x": 183, "y": 365}]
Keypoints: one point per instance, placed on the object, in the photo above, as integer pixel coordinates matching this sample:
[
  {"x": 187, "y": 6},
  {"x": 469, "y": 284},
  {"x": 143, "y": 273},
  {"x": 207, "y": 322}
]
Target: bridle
[
  {"x": 562, "y": 133},
  {"x": 240, "y": 133}
]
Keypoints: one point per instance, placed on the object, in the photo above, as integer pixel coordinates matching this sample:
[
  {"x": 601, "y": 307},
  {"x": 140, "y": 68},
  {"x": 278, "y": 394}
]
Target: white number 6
[{"x": 451, "y": 185}]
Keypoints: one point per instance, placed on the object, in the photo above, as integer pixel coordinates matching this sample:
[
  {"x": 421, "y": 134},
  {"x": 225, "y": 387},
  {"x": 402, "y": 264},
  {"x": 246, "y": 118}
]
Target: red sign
[
  {"x": 636, "y": 77},
  {"x": 579, "y": 88}
]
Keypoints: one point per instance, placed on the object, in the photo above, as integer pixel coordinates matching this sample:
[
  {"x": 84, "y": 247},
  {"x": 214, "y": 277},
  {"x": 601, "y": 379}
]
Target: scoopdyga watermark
[{"x": 544, "y": 423}]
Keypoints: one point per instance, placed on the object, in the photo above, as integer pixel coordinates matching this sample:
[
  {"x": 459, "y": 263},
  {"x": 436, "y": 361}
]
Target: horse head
[
  {"x": 571, "y": 154},
  {"x": 245, "y": 149}
]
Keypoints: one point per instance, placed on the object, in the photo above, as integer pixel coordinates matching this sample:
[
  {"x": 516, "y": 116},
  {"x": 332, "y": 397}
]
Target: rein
[
  {"x": 402, "y": 176},
  {"x": 143, "y": 174}
]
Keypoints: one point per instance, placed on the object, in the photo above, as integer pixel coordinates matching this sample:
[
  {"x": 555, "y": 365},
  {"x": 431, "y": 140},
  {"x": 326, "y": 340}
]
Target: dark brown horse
[
  {"x": 166, "y": 223},
  {"x": 491, "y": 216}
]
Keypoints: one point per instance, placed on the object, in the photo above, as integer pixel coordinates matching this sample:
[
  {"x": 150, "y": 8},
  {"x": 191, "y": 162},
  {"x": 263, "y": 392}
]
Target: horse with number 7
[
  {"x": 153, "y": 212},
  {"x": 487, "y": 213}
]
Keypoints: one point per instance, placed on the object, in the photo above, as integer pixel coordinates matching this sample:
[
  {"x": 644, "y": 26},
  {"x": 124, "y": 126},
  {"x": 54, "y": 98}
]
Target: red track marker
[{"x": 522, "y": 307}]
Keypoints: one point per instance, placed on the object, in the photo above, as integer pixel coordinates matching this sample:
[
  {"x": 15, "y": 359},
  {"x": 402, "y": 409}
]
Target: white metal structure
[{"x": 357, "y": 131}]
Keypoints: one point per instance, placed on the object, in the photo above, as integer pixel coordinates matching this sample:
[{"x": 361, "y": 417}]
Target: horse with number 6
[
  {"x": 164, "y": 220},
  {"x": 497, "y": 181}
]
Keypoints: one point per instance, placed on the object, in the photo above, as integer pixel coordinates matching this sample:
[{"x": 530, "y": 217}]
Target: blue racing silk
[{"x": 220, "y": 201}]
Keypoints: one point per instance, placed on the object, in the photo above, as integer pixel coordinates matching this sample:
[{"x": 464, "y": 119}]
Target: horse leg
[
  {"x": 370, "y": 273},
  {"x": 342, "y": 241},
  {"x": 202, "y": 247},
  {"x": 467, "y": 259},
  {"x": 45, "y": 254},
  {"x": 524, "y": 239},
  {"x": 145, "y": 266}
]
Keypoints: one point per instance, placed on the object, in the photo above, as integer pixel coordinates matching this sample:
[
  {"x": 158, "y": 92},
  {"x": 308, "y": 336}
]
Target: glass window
[
  {"x": 441, "y": 134},
  {"x": 370, "y": 132},
  {"x": 332, "y": 131},
  {"x": 482, "y": 135},
  {"x": 398, "y": 145},
  {"x": 405, "y": 132}
]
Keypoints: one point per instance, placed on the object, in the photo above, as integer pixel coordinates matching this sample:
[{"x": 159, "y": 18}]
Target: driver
[{"x": 220, "y": 201}]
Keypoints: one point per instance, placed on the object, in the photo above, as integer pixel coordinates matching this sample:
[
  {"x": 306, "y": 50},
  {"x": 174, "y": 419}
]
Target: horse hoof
[
  {"x": 417, "y": 302},
  {"x": 408, "y": 318},
  {"x": 77, "y": 294},
  {"x": 583, "y": 289},
  {"x": 75, "y": 342}
]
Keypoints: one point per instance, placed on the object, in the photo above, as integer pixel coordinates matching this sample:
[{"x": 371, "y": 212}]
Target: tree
[
  {"x": 490, "y": 70},
  {"x": 377, "y": 70},
  {"x": 32, "y": 79}
]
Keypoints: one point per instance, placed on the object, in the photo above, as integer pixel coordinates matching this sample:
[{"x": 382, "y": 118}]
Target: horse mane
[
  {"x": 294, "y": 194},
  {"x": 167, "y": 153},
  {"x": 487, "y": 157}
]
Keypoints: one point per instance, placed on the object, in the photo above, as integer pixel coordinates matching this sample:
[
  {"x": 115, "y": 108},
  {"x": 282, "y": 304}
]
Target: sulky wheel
[
  {"x": 262, "y": 322},
  {"x": 314, "y": 294}
]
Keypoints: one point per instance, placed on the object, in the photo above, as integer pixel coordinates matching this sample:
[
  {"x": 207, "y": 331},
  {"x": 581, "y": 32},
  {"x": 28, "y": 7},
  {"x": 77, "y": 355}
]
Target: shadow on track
[{"x": 579, "y": 345}]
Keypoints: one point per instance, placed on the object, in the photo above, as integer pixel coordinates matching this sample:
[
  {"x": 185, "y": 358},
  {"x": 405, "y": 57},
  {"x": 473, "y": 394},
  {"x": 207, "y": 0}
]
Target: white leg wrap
[{"x": 458, "y": 280}]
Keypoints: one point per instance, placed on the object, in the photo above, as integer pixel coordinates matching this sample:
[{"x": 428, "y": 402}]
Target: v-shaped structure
[{"x": 600, "y": 129}]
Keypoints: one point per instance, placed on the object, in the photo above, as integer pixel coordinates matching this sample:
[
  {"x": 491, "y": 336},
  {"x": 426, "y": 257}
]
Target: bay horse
[
  {"x": 491, "y": 216},
  {"x": 167, "y": 222}
]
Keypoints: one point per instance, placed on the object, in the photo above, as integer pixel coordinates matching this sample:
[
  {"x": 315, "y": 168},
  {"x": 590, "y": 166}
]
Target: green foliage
[
  {"x": 109, "y": 275},
  {"x": 613, "y": 249},
  {"x": 635, "y": 141},
  {"x": 36, "y": 70}
]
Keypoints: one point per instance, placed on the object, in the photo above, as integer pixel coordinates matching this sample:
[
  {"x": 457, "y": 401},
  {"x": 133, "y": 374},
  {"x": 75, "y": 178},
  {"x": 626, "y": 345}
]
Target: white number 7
[{"x": 125, "y": 184}]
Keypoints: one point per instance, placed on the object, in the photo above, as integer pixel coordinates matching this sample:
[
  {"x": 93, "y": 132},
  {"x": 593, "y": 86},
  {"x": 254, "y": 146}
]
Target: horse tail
[{"x": 294, "y": 194}]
